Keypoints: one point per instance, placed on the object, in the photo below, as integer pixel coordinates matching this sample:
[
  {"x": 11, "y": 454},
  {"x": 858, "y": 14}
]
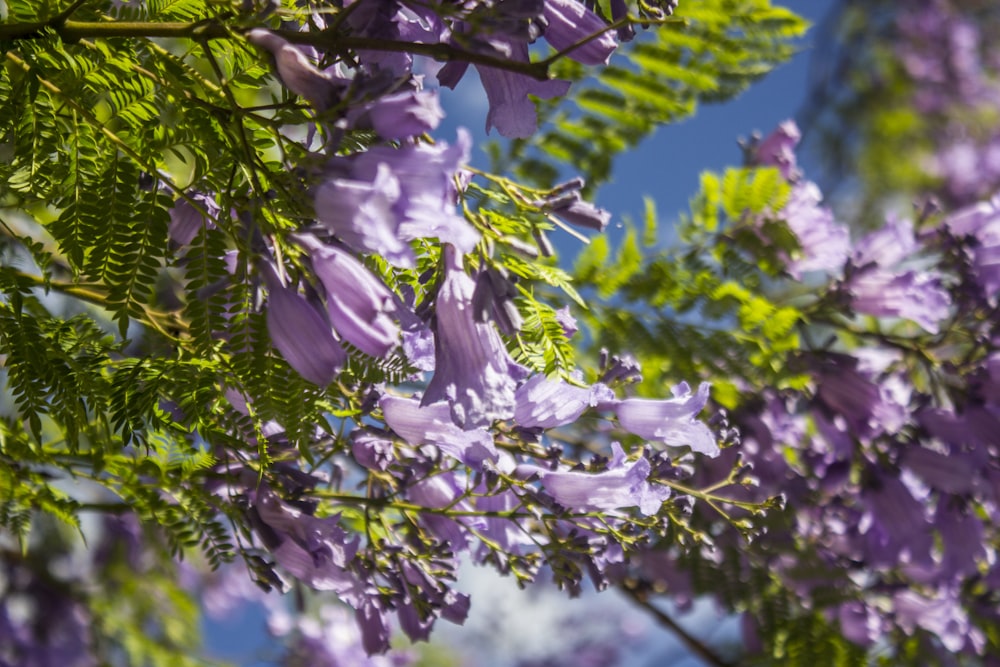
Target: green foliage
[
  {"x": 709, "y": 52},
  {"x": 703, "y": 311}
]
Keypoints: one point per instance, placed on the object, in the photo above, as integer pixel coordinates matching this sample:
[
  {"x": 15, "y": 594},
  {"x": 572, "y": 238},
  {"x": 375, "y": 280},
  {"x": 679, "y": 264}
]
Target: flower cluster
[
  {"x": 454, "y": 434},
  {"x": 886, "y": 459}
]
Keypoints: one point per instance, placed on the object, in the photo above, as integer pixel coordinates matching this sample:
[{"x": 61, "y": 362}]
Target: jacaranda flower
[
  {"x": 300, "y": 332},
  {"x": 473, "y": 371},
  {"x": 358, "y": 302},
  {"x": 624, "y": 484},
  {"x": 670, "y": 421}
]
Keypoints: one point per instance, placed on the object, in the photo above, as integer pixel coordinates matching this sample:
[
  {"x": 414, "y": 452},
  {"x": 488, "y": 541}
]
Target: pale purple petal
[
  {"x": 824, "y": 243},
  {"x": 911, "y": 295},
  {"x": 360, "y": 305},
  {"x": 511, "y": 111},
  {"x": 301, "y": 333},
  {"x": 406, "y": 114},
  {"x": 299, "y": 75},
  {"x": 361, "y": 214},
  {"x": 670, "y": 421},
  {"x": 544, "y": 403},
  {"x": 623, "y": 485},
  {"x": 569, "y": 22},
  {"x": 474, "y": 371},
  {"x": 778, "y": 150},
  {"x": 432, "y": 425}
]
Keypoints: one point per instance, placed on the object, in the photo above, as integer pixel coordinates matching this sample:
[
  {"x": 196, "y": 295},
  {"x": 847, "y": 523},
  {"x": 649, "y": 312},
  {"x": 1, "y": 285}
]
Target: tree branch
[
  {"x": 692, "y": 643},
  {"x": 72, "y": 31}
]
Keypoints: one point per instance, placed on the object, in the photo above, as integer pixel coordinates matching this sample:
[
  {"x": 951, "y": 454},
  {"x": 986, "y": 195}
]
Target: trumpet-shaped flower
[
  {"x": 570, "y": 22},
  {"x": 671, "y": 421},
  {"x": 358, "y": 302},
  {"x": 473, "y": 371},
  {"x": 624, "y": 484},
  {"x": 432, "y": 425},
  {"x": 301, "y": 333}
]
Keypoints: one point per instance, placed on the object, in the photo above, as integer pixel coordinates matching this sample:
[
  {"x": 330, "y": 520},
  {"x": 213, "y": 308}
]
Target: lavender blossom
[
  {"x": 385, "y": 196},
  {"x": 544, "y": 403},
  {"x": 910, "y": 295},
  {"x": 316, "y": 551},
  {"x": 622, "y": 485},
  {"x": 431, "y": 424},
  {"x": 301, "y": 333},
  {"x": 360, "y": 213},
  {"x": 569, "y": 22},
  {"x": 511, "y": 111},
  {"x": 301, "y": 77},
  {"x": 404, "y": 115},
  {"x": 980, "y": 224},
  {"x": 474, "y": 372},
  {"x": 358, "y": 302},
  {"x": 824, "y": 243},
  {"x": 778, "y": 150},
  {"x": 671, "y": 421}
]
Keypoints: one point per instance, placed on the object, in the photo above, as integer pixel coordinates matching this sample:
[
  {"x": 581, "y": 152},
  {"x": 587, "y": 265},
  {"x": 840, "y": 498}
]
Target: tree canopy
[{"x": 268, "y": 337}]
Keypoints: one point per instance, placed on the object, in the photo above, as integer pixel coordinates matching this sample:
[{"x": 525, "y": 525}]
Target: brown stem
[
  {"x": 72, "y": 31},
  {"x": 692, "y": 643}
]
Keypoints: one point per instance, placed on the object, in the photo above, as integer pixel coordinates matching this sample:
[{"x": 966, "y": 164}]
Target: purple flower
[
  {"x": 360, "y": 213},
  {"x": 544, "y": 403},
  {"x": 962, "y": 539},
  {"x": 778, "y": 150},
  {"x": 186, "y": 220},
  {"x": 894, "y": 523},
  {"x": 869, "y": 407},
  {"x": 941, "y": 615},
  {"x": 910, "y": 295},
  {"x": 950, "y": 473},
  {"x": 404, "y": 115},
  {"x": 358, "y": 302},
  {"x": 316, "y": 551},
  {"x": 622, "y": 485},
  {"x": 511, "y": 111},
  {"x": 301, "y": 333},
  {"x": 888, "y": 246},
  {"x": 422, "y": 424},
  {"x": 824, "y": 243},
  {"x": 300, "y": 76},
  {"x": 671, "y": 421},
  {"x": 567, "y": 321},
  {"x": 570, "y": 22},
  {"x": 981, "y": 223},
  {"x": 474, "y": 372},
  {"x": 386, "y": 195}
]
